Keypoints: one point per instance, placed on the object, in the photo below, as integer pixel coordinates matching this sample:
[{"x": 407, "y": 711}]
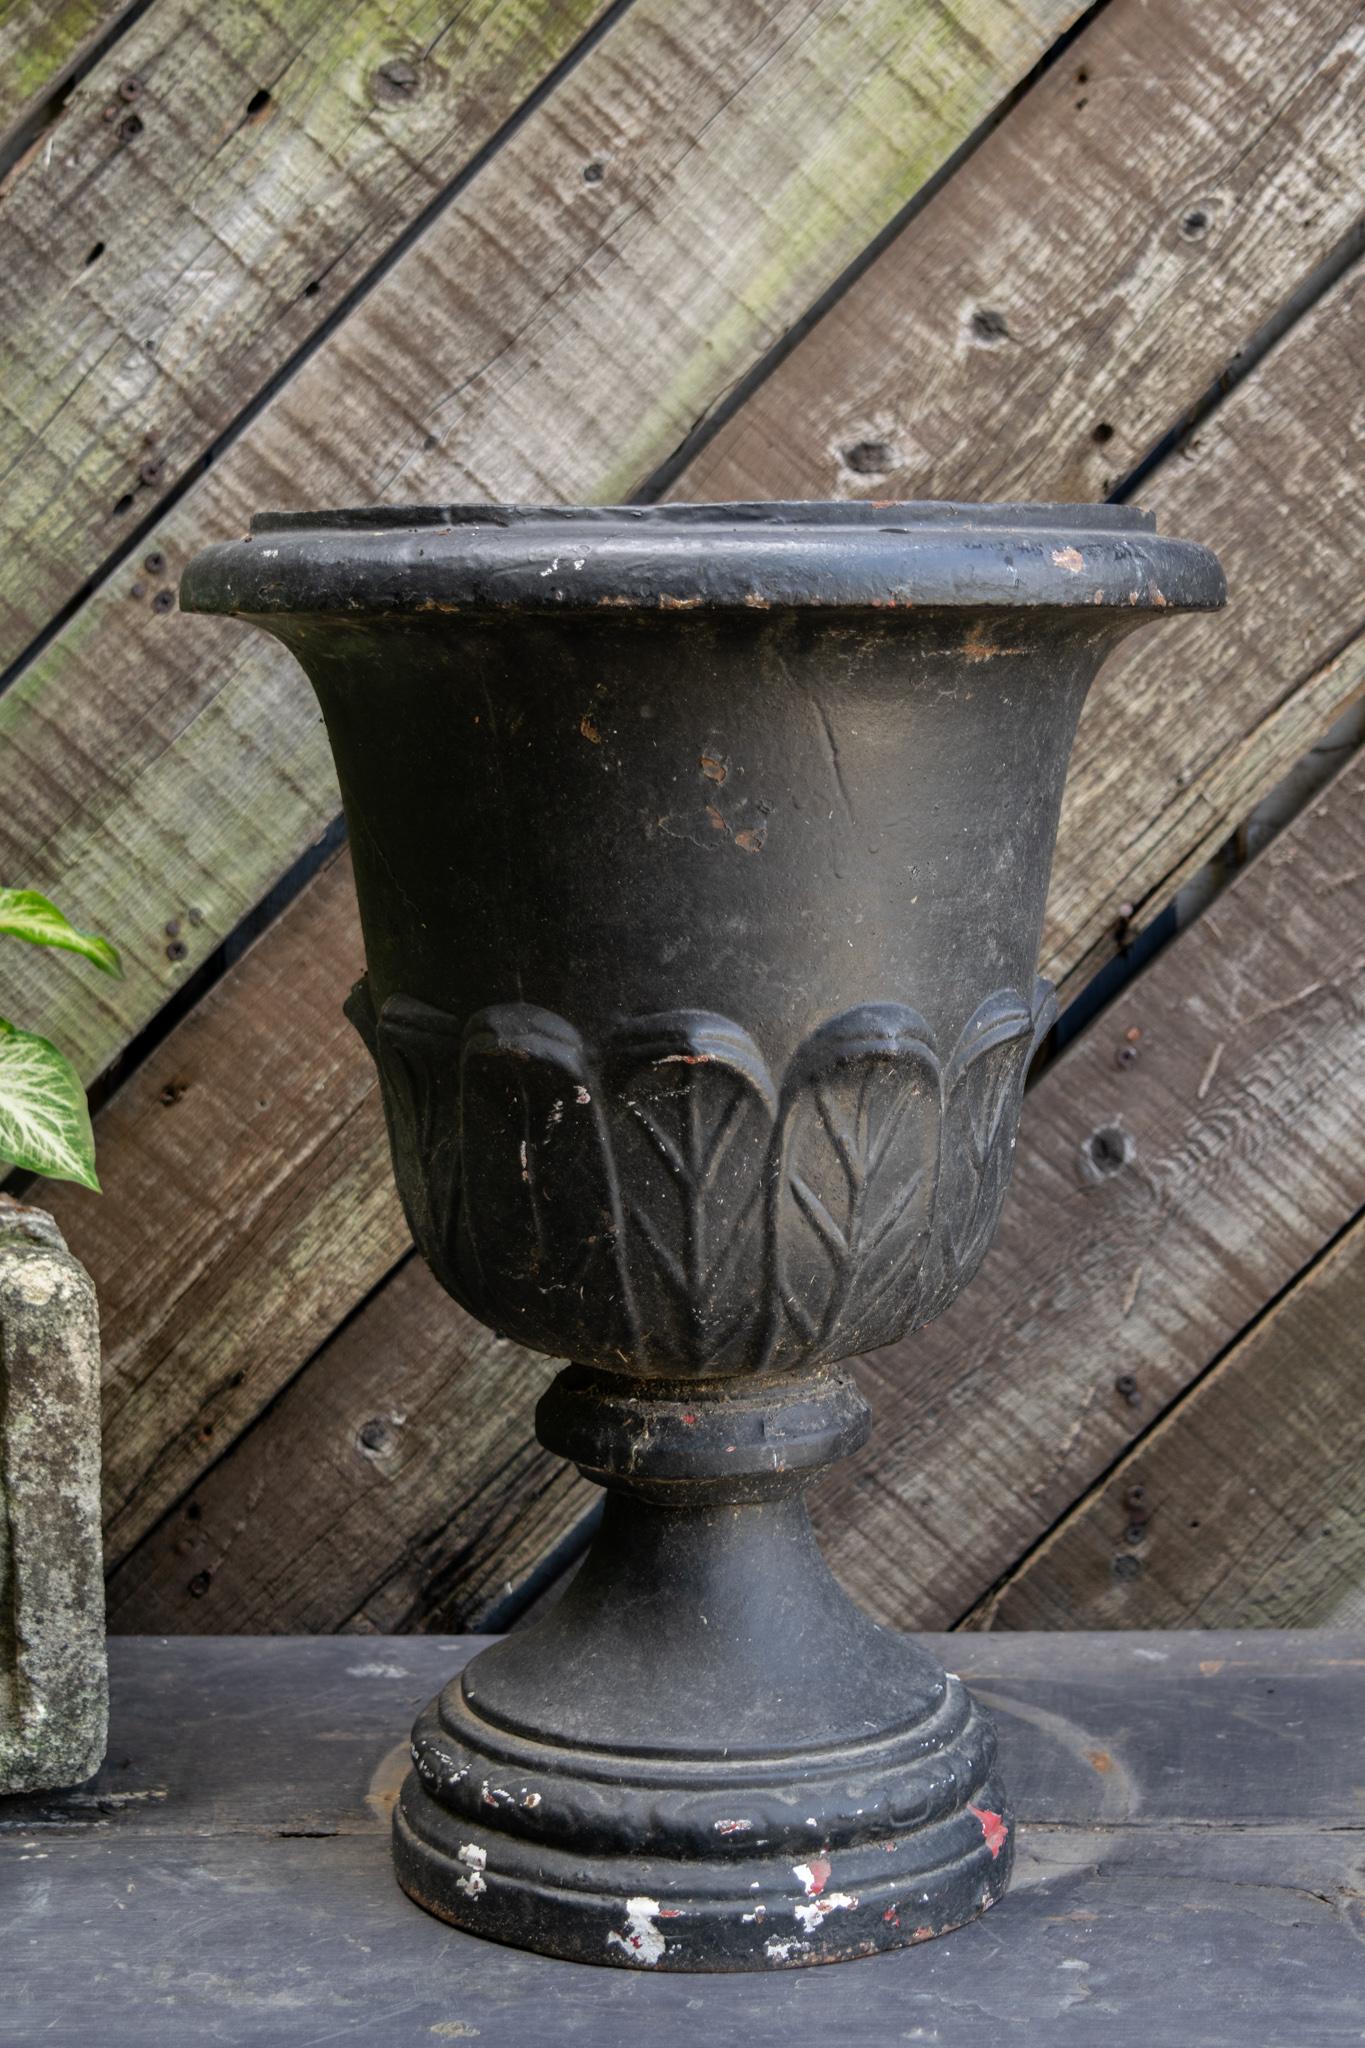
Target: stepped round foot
[{"x": 753, "y": 1863}]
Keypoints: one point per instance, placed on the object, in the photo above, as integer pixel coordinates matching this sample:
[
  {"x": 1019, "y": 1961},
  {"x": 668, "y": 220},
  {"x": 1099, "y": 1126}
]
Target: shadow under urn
[{"x": 702, "y": 854}]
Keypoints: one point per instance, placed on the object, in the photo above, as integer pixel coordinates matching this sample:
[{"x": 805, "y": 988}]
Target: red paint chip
[{"x": 993, "y": 1827}]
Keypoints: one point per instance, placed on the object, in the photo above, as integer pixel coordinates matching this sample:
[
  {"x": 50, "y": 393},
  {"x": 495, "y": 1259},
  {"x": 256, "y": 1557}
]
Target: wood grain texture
[
  {"x": 1102, "y": 256},
  {"x": 1191, "y": 726},
  {"x": 205, "y": 1377},
  {"x": 250, "y": 1212},
  {"x": 1084, "y": 277},
  {"x": 1247, "y": 1499},
  {"x": 159, "y": 266},
  {"x": 1156, "y": 1206},
  {"x": 398, "y": 1484},
  {"x": 547, "y": 336},
  {"x": 1185, "y": 1860},
  {"x": 40, "y": 45}
]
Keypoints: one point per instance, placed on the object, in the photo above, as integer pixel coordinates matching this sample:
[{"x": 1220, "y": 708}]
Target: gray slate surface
[
  {"x": 1192, "y": 1836},
  {"x": 53, "y": 1686}
]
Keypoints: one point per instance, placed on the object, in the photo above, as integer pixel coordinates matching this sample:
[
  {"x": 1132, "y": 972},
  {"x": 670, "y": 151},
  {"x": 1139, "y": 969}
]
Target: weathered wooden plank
[
  {"x": 1102, "y": 257},
  {"x": 1084, "y": 291},
  {"x": 40, "y": 45},
  {"x": 1185, "y": 734},
  {"x": 1157, "y": 1205},
  {"x": 262, "y": 1773},
  {"x": 1107, "y": 1730},
  {"x": 151, "y": 1478},
  {"x": 747, "y": 153},
  {"x": 401, "y": 1480},
  {"x": 161, "y": 265},
  {"x": 250, "y": 1213},
  {"x": 1248, "y": 1497}
]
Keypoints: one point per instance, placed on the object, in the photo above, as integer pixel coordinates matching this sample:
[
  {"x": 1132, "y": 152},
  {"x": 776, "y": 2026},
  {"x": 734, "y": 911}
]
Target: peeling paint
[
  {"x": 1069, "y": 558},
  {"x": 475, "y": 1883},
  {"x": 833, "y": 1902},
  {"x": 813, "y": 1876},
  {"x": 642, "y": 1941},
  {"x": 783, "y": 1951},
  {"x": 993, "y": 1827}
]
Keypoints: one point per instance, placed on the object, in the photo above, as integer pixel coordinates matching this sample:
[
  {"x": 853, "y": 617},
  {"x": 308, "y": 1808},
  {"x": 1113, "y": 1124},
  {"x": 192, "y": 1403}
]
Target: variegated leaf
[
  {"x": 44, "y": 1119},
  {"x": 24, "y": 914}
]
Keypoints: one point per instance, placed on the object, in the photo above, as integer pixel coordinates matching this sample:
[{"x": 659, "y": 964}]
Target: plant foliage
[{"x": 44, "y": 1118}]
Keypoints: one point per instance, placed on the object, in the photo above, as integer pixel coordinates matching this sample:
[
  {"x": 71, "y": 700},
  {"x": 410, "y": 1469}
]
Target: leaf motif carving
[
  {"x": 417, "y": 1050},
  {"x": 657, "y": 1204},
  {"x": 853, "y": 1182},
  {"x": 539, "y": 1236},
  {"x": 983, "y": 1087},
  {"x": 691, "y": 1105}
]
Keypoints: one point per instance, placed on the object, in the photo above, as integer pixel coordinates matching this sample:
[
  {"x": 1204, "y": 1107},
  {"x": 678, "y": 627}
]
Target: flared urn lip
[{"x": 855, "y": 554}]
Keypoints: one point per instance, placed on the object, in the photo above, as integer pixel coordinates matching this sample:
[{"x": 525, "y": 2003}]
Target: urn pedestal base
[{"x": 705, "y": 1757}]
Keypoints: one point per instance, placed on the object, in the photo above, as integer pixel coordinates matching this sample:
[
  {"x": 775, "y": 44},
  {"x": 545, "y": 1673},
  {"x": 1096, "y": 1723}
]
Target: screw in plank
[
  {"x": 163, "y": 600},
  {"x": 130, "y": 89},
  {"x": 130, "y": 128},
  {"x": 155, "y": 562},
  {"x": 176, "y": 950},
  {"x": 1126, "y": 1384},
  {"x": 1126, "y": 1566},
  {"x": 151, "y": 470}
]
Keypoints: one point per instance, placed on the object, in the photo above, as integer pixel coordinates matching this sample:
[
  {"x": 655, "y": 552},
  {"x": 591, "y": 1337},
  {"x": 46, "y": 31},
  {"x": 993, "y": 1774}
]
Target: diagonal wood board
[{"x": 1116, "y": 267}]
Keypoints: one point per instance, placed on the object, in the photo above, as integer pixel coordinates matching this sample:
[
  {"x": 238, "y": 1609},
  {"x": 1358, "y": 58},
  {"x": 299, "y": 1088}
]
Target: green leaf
[
  {"x": 44, "y": 1119},
  {"x": 24, "y": 914}
]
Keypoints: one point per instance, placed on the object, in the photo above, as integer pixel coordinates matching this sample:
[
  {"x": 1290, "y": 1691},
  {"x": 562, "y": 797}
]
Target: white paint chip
[{"x": 642, "y": 1941}]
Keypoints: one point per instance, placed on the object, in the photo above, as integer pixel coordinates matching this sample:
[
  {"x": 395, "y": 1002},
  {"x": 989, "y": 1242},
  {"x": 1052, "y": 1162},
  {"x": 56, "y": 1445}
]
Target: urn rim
[{"x": 859, "y": 555}]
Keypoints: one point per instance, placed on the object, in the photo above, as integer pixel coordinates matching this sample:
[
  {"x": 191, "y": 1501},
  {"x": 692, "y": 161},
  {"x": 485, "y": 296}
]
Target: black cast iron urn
[{"x": 702, "y": 854}]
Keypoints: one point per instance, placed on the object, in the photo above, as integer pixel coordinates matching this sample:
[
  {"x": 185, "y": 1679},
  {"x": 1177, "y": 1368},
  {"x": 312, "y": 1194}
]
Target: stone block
[{"x": 53, "y": 1677}]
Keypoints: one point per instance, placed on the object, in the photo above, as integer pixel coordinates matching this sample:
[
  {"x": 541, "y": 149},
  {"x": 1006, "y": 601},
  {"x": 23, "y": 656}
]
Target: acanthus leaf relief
[
  {"x": 855, "y": 1175},
  {"x": 690, "y": 1105},
  {"x": 657, "y": 1203}
]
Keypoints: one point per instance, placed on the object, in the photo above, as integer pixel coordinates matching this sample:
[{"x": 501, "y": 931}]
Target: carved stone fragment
[{"x": 53, "y": 1679}]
